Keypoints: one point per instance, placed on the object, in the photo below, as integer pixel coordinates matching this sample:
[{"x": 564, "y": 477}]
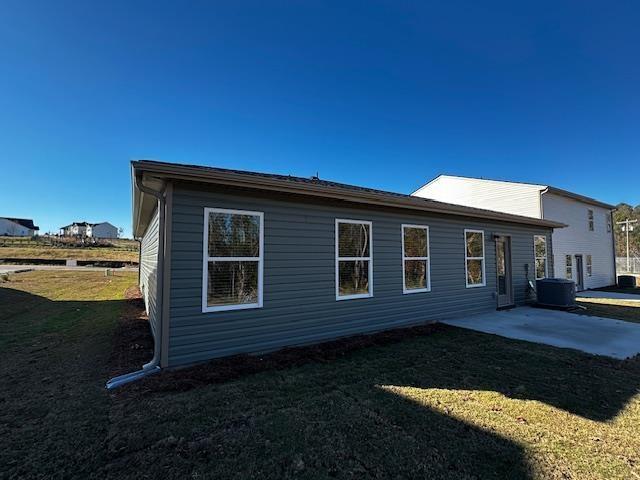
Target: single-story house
[
  {"x": 17, "y": 227},
  {"x": 240, "y": 262},
  {"x": 89, "y": 230},
  {"x": 584, "y": 251}
]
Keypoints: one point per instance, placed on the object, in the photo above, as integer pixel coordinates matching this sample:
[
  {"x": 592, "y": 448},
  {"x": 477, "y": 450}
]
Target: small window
[
  {"x": 608, "y": 223},
  {"x": 354, "y": 259},
  {"x": 569, "y": 267},
  {"x": 590, "y": 220},
  {"x": 232, "y": 273},
  {"x": 415, "y": 259},
  {"x": 589, "y": 266},
  {"x": 540, "y": 251},
  {"x": 474, "y": 258}
]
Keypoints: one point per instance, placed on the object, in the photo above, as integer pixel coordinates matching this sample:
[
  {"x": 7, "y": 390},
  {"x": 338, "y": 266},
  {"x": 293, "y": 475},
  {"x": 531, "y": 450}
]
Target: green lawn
[{"x": 452, "y": 404}]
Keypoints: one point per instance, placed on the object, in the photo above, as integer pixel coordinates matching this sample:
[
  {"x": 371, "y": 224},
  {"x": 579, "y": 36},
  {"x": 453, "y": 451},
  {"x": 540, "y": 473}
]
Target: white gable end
[{"x": 515, "y": 198}]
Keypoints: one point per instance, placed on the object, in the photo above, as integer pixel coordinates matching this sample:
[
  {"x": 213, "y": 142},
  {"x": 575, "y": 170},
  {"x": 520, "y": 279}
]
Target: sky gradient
[{"x": 380, "y": 94}]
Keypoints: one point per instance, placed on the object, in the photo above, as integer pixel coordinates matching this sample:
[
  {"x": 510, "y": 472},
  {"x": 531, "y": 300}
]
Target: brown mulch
[{"x": 134, "y": 346}]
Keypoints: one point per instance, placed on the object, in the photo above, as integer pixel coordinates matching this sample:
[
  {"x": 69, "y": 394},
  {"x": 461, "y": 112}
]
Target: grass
[
  {"x": 628, "y": 310},
  {"x": 452, "y": 404},
  {"x": 85, "y": 253}
]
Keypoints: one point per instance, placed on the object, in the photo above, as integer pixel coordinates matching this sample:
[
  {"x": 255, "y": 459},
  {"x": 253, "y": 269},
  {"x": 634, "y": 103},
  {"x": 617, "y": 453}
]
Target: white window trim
[
  {"x": 466, "y": 273},
  {"x": 406, "y": 290},
  {"x": 535, "y": 257},
  {"x": 206, "y": 259},
  {"x": 338, "y": 258},
  {"x": 591, "y": 223},
  {"x": 588, "y": 262}
]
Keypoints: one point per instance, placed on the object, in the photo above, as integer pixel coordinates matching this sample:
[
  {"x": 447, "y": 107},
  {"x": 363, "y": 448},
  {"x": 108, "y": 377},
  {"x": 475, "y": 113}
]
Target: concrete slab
[
  {"x": 595, "y": 335},
  {"x": 630, "y": 297}
]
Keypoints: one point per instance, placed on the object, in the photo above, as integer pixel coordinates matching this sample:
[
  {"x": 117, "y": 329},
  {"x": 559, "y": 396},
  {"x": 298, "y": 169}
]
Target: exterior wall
[
  {"x": 148, "y": 272},
  {"x": 576, "y": 239},
  {"x": 300, "y": 306},
  {"x": 13, "y": 229},
  {"x": 103, "y": 230},
  {"x": 508, "y": 197}
]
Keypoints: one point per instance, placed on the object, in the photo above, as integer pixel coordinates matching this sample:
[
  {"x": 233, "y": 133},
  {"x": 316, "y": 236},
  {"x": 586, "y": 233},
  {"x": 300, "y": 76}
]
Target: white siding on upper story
[
  {"x": 508, "y": 197},
  {"x": 577, "y": 239}
]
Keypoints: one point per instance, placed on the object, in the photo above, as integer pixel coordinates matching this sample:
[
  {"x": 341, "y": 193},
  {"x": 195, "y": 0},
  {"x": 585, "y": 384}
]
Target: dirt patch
[
  {"x": 230, "y": 368},
  {"x": 133, "y": 342}
]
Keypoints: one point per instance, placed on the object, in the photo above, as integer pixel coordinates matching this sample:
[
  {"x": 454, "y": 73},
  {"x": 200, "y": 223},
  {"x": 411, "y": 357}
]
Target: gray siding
[
  {"x": 148, "y": 272},
  {"x": 299, "y": 276}
]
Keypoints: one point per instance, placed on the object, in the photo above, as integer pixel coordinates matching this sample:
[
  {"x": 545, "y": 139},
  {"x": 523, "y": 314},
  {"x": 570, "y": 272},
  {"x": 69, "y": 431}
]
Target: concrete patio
[{"x": 595, "y": 335}]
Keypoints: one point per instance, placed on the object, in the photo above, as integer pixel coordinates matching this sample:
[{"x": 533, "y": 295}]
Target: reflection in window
[
  {"x": 415, "y": 258},
  {"x": 232, "y": 276},
  {"x": 540, "y": 252},
  {"x": 474, "y": 258},
  {"x": 354, "y": 268}
]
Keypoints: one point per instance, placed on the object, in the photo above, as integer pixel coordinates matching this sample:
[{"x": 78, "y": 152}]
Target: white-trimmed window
[
  {"x": 609, "y": 222},
  {"x": 568, "y": 266},
  {"x": 416, "y": 275},
  {"x": 590, "y": 216},
  {"x": 589, "y": 266},
  {"x": 233, "y": 253},
  {"x": 540, "y": 252},
  {"x": 354, "y": 259},
  {"x": 474, "y": 258}
]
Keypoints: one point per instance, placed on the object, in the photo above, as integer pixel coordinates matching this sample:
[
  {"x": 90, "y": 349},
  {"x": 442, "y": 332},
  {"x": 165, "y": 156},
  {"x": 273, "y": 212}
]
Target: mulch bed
[{"x": 133, "y": 347}]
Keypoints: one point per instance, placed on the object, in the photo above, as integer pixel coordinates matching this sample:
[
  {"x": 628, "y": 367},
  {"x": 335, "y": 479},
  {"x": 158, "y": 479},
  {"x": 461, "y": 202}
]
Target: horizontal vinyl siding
[
  {"x": 508, "y": 197},
  {"x": 148, "y": 271},
  {"x": 577, "y": 239},
  {"x": 299, "y": 276}
]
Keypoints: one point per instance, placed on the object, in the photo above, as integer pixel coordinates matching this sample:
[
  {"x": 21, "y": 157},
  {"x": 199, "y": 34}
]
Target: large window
[
  {"x": 589, "y": 266},
  {"x": 474, "y": 258},
  {"x": 233, "y": 260},
  {"x": 354, "y": 259},
  {"x": 590, "y": 216},
  {"x": 540, "y": 249},
  {"x": 415, "y": 259},
  {"x": 569, "y": 266}
]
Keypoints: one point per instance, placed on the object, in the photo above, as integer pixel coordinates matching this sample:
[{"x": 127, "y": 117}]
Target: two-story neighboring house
[{"x": 583, "y": 251}]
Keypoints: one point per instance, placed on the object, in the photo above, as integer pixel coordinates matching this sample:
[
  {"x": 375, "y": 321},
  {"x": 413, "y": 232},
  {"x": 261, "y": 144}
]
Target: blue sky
[{"x": 381, "y": 94}]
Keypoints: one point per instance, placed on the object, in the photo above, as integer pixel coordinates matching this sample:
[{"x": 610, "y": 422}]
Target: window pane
[
  {"x": 234, "y": 235},
  {"x": 540, "y": 267},
  {"x": 541, "y": 246},
  {"x": 568, "y": 263},
  {"x": 474, "y": 244},
  {"x": 415, "y": 242},
  {"x": 353, "y": 239},
  {"x": 474, "y": 272},
  {"x": 353, "y": 277},
  {"x": 415, "y": 274},
  {"x": 232, "y": 283}
]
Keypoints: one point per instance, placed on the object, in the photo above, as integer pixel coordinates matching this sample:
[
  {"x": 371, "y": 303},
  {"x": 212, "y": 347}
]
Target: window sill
[
  {"x": 419, "y": 290},
  {"x": 227, "y": 308},
  {"x": 353, "y": 297},
  {"x": 477, "y": 285}
]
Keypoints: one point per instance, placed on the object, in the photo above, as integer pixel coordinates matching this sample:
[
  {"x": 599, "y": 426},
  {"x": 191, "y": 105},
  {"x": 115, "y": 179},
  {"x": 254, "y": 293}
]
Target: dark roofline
[
  {"x": 24, "y": 222},
  {"x": 543, "y": 189},
  {"x": 317, "y": 188}
]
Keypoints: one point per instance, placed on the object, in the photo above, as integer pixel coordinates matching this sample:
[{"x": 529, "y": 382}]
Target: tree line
[{"x": 623, "y": 212}]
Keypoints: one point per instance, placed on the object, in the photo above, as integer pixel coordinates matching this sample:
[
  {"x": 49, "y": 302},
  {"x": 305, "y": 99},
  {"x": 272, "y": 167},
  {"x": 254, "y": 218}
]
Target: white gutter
[{"x": 154, "y": 365}]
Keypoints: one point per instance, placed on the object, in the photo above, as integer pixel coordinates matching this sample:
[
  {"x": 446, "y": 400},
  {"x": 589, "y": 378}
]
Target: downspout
[
  {"x": 154, "y": 365},
  {"x": 613, "y": 242}
]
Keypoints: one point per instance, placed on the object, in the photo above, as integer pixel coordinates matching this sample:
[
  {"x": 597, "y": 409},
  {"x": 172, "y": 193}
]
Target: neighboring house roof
[
  {"x": 77, "y": 224},
  {"x": 543, "y": 189},
  {"x": 24, "y": 222},
  {"x": 308, "y": 186}
]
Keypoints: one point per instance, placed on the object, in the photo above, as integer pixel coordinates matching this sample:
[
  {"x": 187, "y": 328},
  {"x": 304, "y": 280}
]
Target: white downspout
[{"x": 154, "y": 365}]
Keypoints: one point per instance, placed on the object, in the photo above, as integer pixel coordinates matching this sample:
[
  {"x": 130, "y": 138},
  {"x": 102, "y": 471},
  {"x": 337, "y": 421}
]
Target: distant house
[
  {"x": 75, "y": 229},
  {"x": 582, "y": 252},
  {"x": 17, "y": 227},
  {"x": 90, "y": 230},
  {"x": 102, "y": 230}
]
